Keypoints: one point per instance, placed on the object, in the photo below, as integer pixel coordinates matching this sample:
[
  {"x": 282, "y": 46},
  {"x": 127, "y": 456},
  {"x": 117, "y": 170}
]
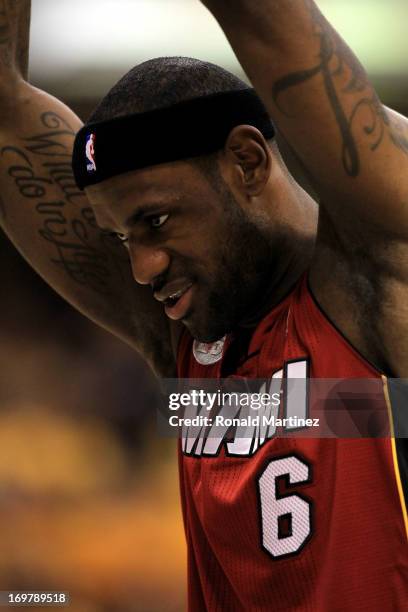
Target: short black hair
[
  {"x": 162, "y": 82},
  {"x": 165, "y": 81}
]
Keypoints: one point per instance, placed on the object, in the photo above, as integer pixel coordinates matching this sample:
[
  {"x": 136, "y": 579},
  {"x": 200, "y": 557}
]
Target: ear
[{"x": 249, "y": 158}]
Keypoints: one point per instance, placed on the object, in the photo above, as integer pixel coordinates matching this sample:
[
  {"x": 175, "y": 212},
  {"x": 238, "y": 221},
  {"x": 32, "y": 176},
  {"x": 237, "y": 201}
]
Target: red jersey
[{"x": 313, "y": 525}]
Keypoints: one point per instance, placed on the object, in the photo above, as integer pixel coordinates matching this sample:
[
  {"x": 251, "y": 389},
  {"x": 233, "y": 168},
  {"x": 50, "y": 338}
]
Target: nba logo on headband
[
  {"x": 174, "y": 127},
  {"x": 90, "y": 153}
]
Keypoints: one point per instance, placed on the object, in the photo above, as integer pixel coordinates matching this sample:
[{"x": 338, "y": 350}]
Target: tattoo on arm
[
  {"x": 342, "y": 74},
  {"x": 81, "y": 250}
]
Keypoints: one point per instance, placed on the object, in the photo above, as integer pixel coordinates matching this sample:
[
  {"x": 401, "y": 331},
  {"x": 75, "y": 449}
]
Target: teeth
[{"x": 174, "y": 296}]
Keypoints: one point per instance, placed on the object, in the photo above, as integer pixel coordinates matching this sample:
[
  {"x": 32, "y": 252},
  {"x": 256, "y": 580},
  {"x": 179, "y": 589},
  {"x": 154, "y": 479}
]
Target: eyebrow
[
  {"x": 136, "y": 215},
  {"x": 151, "y": 209},
  {"x": 130, "y": 221}
]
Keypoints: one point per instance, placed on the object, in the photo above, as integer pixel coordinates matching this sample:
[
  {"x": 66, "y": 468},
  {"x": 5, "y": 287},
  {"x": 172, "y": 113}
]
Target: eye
[
  {"x": 121, "y": 237},
  {"x": 156, "y": 222}
]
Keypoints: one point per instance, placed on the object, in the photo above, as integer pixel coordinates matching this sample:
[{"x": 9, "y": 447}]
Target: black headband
[{"x": 187, "y": 129}]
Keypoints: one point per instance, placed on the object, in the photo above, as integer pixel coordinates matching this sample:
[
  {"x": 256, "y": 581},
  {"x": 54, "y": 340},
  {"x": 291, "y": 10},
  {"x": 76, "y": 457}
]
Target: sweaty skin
[
  {"x": 188, "y": 237},
  {"x": 262, "y": 226},
  {"x": 355, "y": 151},
  {"x": 50, "y": 221}
]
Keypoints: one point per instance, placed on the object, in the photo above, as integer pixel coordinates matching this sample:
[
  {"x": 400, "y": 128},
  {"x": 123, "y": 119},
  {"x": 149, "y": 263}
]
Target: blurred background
[{"x": 88, "y": 491}]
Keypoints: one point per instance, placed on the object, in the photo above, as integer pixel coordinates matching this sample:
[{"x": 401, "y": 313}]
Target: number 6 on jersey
[{"x": 286, "y": 519}]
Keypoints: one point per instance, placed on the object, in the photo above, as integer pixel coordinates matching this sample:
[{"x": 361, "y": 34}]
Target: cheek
[
  {"x": 206, "y": 252},
  {"x": 200, "y": 237}
]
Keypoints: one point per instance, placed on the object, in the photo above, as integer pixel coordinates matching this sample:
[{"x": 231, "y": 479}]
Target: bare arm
[
  {"x": 49, "y": 220},
  {"x": 355, "y": 150},
  {"x": 14, "y": 36}
]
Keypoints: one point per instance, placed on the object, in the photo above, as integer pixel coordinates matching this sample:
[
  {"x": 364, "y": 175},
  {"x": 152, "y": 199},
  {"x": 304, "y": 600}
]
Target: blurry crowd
[{"x": 88, "y": 491}]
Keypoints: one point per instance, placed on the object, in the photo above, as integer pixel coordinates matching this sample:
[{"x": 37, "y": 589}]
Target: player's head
[{"x": 211, "y": 227}]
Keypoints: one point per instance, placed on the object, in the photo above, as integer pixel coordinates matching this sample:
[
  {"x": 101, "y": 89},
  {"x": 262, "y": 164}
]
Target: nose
[{"x": 147, "y": 263}]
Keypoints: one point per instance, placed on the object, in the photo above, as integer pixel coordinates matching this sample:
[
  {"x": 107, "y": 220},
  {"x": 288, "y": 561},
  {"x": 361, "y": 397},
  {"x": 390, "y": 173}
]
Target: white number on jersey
[{"x": 285, "y": 518}]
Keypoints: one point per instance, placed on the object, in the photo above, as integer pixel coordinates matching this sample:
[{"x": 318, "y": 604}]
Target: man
[{"x": 179, "y": 162}]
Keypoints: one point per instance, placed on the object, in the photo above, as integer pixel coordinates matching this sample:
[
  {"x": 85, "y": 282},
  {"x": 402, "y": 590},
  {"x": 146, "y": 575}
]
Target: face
[{"x": 205, "y": 260}]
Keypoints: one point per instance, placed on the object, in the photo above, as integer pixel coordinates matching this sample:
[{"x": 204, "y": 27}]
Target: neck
[
  {"x": 285, "y": 275},
  {"x": 298, "y": 214}
]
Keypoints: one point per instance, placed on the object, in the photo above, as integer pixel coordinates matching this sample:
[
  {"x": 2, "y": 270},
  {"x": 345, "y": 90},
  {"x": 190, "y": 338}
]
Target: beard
[{"x": 240, "y": 278}]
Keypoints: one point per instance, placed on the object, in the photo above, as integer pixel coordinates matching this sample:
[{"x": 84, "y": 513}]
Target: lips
[
  {"x": 180, "y": 308},
  {"x": 176, "y": 297}
]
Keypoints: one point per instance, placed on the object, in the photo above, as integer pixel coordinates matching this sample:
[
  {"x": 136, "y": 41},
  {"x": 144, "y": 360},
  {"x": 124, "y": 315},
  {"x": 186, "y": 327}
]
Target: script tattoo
[
  {"x": 89, "y": 257},
  {"x": 342, "y": 74}
]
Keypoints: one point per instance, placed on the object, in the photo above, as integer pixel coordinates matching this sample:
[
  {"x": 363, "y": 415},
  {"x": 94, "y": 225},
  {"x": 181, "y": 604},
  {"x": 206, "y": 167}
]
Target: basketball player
[{"x": 228, "y": 267}]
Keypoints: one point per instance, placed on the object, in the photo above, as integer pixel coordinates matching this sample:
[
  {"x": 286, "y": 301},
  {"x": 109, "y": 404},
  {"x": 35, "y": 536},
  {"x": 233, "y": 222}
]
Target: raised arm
[
  {"x": 355, "y": 150},
  {"x": 49, "y": 219}
]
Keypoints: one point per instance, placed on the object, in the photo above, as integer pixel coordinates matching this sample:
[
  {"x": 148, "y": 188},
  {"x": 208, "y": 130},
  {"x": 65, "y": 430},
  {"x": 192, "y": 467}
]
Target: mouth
[{"x": 178, "y": 302}]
